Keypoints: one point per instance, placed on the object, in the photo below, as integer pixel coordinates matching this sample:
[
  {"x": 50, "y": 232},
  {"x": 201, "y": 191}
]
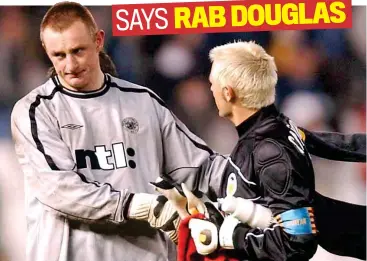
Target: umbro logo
[{"x": 72, "y": 126}]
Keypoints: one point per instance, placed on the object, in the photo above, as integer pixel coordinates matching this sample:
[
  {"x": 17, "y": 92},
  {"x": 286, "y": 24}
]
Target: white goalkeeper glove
[
  {"x": 156, "y": 210},
  {"x": 246, "y": 211},
  {"x": 174, "y": 197},
  {"x": 186, "y": 205},
  {"x": 208, "y": 235}
]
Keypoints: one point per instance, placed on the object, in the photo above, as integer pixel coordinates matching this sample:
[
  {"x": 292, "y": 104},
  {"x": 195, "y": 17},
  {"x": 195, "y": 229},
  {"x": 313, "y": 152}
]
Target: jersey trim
[
  {"x": 161, "y": 102},
  {"x": 86, "y": 94},
  {"x": 39, "y": 145},
  {"x": 34, "y": 131}
]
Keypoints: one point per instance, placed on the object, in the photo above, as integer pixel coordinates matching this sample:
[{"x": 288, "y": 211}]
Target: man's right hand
[
  {"x": 173, "y": 196},
  {"x": 156, "y": 210},
  {"x": 187, "y": 205}
]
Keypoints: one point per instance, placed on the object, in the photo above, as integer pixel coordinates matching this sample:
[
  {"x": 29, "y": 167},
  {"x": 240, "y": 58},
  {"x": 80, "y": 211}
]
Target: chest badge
[
  {"x": 231, "y": 185},
  {"x": 130, "y": 124}
]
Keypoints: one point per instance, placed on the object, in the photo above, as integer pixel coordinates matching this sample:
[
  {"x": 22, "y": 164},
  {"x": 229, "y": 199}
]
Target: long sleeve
[
  {"x": 49, "y": 169},
  {"x": 336, "y": 146},
  {"x": 349, "y": 239},
  {"x": 187, "y": 158}
]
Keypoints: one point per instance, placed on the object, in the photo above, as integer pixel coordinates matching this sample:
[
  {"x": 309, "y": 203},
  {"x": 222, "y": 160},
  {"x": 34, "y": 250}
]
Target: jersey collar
[
  {"x": 247, "y": 125},
  {"x": 86, "y": 94}
]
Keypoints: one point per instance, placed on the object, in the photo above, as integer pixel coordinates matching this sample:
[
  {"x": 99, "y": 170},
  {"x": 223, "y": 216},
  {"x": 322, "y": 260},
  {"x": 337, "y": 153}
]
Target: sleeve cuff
[
  {"x": 239, "y": 235},
  {"x": 226, "y": 232},
  {"x": 125, "y": 210}
]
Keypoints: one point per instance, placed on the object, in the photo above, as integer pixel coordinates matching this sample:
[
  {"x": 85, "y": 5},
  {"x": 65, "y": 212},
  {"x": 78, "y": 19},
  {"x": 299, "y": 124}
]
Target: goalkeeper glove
[
  {"x": 246, "y": 211},
  {"x": 186, "y": 205},
  {"x": 156, "y": 210}
]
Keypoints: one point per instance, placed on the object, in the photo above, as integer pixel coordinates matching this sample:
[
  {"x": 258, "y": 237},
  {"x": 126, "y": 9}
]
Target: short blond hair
[{"x": 249, "y": 70}]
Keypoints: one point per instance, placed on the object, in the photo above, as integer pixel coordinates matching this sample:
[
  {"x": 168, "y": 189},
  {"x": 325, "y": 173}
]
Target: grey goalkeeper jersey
[{"x": 82, "y": 154}]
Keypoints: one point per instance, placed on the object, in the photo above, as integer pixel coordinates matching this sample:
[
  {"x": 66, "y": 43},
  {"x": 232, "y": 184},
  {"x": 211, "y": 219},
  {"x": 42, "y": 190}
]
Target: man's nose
[{"x": 71, "y": 64}]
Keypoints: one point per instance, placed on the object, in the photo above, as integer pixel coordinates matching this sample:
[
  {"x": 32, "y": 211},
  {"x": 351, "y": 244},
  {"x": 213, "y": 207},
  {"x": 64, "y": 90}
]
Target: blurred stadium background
[{"x": 322, "y": 86}]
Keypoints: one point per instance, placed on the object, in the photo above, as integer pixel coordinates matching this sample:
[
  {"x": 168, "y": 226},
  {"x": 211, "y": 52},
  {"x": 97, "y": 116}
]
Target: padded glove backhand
[
  {"x": 174, "y": 197},
  {"x": 205, "y": 235},
  {"x": 247, "y": 211},
  {"x": 156, "y": 210}
]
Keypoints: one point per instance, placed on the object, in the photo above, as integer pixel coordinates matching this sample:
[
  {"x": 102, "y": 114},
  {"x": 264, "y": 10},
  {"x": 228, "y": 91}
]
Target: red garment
[{"x": 186, "y": 250}]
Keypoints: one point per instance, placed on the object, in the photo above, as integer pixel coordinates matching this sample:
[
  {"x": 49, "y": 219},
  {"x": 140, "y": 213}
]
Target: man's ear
[
  {"x": 100, "y": 35},
  {"x": 228, "y": 94},
  {"x": 44, "y": 46}
]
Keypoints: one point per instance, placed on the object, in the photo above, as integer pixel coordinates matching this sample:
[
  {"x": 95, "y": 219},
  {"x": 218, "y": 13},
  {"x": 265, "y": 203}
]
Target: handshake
[{"x": 211, "y": 224}]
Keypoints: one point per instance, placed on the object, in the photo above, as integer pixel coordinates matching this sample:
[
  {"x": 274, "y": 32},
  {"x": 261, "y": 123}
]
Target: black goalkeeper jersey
[{"x": 271, "y": 166}]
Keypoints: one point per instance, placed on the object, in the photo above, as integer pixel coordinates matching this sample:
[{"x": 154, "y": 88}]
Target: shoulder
[
  {"x": 274, "y": 127},
  {"x": 270, "y": 139},
  {"x": 138, "y": 93},
  {"x": 282, "y": 132},
  {"x": 120, "y": 83},
  {"x": 31, "y": 100},
  {"x": 129, "y": 87},
  {"x": 268, "y": 150}
]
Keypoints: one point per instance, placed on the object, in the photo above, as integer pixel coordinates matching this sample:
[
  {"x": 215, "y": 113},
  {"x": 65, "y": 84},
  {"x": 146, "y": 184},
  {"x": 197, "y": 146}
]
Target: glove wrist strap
[
  {"x": 226, "y": 232},
  {"x": 140, "y": 206}
]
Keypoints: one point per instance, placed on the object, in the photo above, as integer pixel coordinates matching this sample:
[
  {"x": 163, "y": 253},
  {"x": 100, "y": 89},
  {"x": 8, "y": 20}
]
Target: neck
[
  {"x": 240, "y": 114},
  {"x": 95, "y": 83}
]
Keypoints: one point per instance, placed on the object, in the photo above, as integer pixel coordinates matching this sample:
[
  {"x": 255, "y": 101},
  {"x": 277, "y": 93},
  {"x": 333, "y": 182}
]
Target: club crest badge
[
  {"x": 231, "y": 185},
  {"x": 130, "y": 124}
]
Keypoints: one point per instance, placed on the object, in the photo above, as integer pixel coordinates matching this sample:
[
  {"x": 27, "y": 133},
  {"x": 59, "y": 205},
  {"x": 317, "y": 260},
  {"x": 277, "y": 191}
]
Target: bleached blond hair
[{"x": 248, "y": 69}]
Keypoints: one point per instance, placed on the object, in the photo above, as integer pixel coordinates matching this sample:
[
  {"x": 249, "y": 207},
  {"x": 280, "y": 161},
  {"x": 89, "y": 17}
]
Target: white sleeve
[
  {"x": 187, "y": 158},
  {"x": 48, "y": 167}
]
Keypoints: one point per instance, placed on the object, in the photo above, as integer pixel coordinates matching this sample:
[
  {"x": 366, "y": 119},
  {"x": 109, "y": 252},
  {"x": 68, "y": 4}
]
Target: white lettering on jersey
[
  {"x": 102, "y": 158},
  {"x": 103, "y": 155},
  {"x": 295, "y": 138},
  {"x": 119, "y": 154}
]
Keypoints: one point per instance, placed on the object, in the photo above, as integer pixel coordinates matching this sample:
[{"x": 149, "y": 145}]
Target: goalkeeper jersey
[{"x": 82, "y": 154}]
